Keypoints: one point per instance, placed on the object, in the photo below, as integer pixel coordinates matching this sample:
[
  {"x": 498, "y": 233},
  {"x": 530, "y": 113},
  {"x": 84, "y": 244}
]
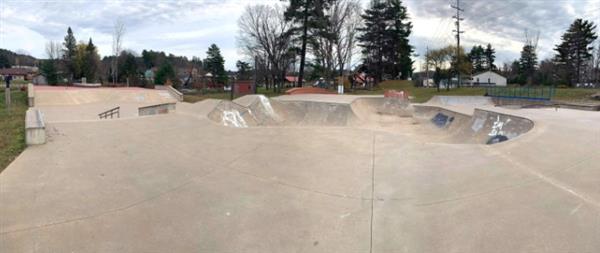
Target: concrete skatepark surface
[{"x": 296, "y": 180}]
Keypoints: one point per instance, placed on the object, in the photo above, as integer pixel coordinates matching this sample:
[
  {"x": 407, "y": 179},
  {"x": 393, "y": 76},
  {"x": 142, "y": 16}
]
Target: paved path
[{"x": 182, "y": 183}]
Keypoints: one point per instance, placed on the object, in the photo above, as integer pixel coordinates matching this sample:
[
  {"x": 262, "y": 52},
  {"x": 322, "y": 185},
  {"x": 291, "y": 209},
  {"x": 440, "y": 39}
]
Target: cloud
[{"x": 188, "y": 27}]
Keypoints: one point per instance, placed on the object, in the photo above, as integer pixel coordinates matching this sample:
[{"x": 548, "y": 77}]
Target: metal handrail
[{"x": 110, "y": 113}]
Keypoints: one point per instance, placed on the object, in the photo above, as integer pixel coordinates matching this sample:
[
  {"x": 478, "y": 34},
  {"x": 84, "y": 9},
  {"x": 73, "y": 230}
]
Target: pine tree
[
  {"x": 70, "y": 52},
  {"x": 50, "y": 71},
  {"x": 476, "y": 57},
  {"x": 372, "y": 39},
  {"x": 400, "y": 49},
  {"x": 164, "y": 73},
  {"x": 574, "y": 52},
  {"x": 92, "y": 61},
  {"x": 128, "y": 67},
  {"x": 384, "y": 40},
  {"x": 215, "y": 64},
  {"x": 310, "y": 19},
  {"x": 528, "y": 63},
  {"x": 244, "y": 69},
  {"x": 490, "y": 56}
]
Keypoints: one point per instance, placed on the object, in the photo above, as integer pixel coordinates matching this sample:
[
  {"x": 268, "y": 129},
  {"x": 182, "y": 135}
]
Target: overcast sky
[{"x": 189, "y": 27}]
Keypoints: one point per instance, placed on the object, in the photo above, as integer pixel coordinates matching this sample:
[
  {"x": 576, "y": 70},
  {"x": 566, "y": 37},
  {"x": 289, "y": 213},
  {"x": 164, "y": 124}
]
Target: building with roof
[
  {"x": 488, "y": 78},
  {"x": 17, "y": 73}
]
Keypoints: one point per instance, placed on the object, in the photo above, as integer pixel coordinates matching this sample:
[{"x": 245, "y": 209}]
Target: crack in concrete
[{"x": 372, "y": 189}]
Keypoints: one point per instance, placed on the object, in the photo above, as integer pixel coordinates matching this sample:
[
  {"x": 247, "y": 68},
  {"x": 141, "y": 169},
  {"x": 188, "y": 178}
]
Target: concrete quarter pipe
[{"x": 307, "y": 173}]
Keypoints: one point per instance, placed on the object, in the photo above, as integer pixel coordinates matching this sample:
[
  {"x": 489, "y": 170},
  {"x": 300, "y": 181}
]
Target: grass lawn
[
  {"x": 576, "y": 95},
  {"x": 12, "y": 127},
  {"x": 423, "y": 94},
  {"x": 419, "y": 94}
]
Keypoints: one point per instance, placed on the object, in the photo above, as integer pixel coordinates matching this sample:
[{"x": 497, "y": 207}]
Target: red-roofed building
[
  {"x": 17, "y": 73},
  {"x": 291, "y": 80}
]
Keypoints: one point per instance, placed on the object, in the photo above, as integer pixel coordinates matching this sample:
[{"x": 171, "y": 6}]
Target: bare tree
[
  {"x": 333, "y": 52},
  {"x": 264, "y": 33},
  {"x": 53, "y": 50},
  {"x": 117, "y": 47},
  {"x": 532, "y": 40},
  {"x": 596, "y": 64}
]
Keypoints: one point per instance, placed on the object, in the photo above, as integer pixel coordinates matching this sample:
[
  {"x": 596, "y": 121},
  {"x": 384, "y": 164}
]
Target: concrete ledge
[
  {"x": 156, "y": 109},
  {"x": 175, "y": 93},
  {"x": 30, "y": 95},
  {"x": 35, "y": 129}
]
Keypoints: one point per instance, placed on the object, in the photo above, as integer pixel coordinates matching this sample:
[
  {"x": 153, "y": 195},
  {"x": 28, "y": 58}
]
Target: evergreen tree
[
  {"x": 4, "y": 61},
  {"x": 92, "y": 60},
  {"x": 574, "y": 52},
  {"x": 128, "y": 67},
  {"x": 244, "y": 70},
  {"x": 164, "y": 73},
  {"x": 384, "y": 40},
  {"x": 400, "y": 49},
  {"x": 476, "y": 57},
  {"x": 528, "y": 63},
  {"x": 372, "y": 39},
  {"x": 215, "y": 64},
  {"x": 148, "y": 58},
  {"x": 490, "y": 56},
  {"x": 50, "y": 71},
  {"x": 310, "y": 19},
  {"x": 70, "y": 52}
]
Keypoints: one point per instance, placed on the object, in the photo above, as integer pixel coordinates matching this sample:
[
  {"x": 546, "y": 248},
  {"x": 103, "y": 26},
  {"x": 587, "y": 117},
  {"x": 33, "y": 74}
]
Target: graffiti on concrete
[
  {"x": 478, "y": 124},
  {"x": 441, "y": 120},
  {"x": 497, "y": 139},
  {"x": 233, "y": 118},
  {"x": 497, "y": 135},
  {"x": 497, "y": 127}
]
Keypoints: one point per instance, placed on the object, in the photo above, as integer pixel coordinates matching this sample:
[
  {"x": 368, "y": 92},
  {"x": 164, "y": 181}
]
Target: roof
[
  {"x": 15, "y": 71},
  {"x": 493, "y": 72},
  {"x": 291, "y": 79}
]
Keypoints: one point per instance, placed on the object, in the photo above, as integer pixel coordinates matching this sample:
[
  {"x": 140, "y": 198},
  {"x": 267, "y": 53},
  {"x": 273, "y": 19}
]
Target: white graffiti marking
[
  {"x": 233, "y": 118},
  {"x": 497, "y": 127}
]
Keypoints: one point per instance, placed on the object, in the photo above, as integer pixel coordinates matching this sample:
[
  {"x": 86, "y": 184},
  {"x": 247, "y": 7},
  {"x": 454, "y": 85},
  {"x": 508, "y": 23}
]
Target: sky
[{"x": 189, "y": 27}]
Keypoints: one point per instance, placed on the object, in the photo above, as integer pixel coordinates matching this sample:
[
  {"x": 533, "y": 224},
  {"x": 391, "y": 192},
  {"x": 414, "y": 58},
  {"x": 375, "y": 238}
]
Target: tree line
[
  {"x": 317, "y": 39},
  {"x": 70, "y": 61},
  {"x": 576, "y": 60}
]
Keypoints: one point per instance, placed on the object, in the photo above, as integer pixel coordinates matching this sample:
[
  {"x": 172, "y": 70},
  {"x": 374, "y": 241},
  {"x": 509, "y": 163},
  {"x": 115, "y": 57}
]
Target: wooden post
[{"x": 7, "y": 97}]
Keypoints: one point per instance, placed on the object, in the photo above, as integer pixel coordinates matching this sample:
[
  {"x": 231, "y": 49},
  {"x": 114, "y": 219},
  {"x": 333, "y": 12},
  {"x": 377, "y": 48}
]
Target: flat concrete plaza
[{"x": 358, "y": 181}]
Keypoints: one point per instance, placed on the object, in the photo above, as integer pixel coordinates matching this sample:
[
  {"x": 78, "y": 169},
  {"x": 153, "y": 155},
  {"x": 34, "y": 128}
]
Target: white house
[{"x": 488, "y": 78}]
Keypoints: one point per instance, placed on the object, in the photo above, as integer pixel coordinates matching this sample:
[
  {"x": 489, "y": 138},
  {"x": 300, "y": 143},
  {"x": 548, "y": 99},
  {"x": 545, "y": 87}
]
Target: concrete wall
[
  {"x": 175, "y": 93},
  {"x": 156, "y": 109},
  {"x": 35, "y": 129},
  {"x": 483, "y": 127}
]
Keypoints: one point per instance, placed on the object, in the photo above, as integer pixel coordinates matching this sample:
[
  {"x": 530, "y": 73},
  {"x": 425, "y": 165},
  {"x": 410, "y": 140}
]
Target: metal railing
[
  {"x": 531, "y": 93},
  {"x": 110, "y": 113}
]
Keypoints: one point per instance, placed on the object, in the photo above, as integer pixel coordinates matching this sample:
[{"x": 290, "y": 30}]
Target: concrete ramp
[
  {"x": 58, "y": 96},
  {"x": 390, "y": 114},
  {"x": 483, "y": 126},
  {"x": 461, "y": 100},
  {"x": 60, "y": 103}
]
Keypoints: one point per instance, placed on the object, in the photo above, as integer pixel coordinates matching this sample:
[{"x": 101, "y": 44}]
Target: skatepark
[{"x": 301, "y": 173}]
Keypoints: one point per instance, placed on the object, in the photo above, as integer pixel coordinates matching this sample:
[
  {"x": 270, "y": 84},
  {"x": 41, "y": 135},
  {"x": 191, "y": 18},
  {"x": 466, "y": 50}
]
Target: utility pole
[
  {"x": 427, "y": 66},
  {"x": 458, "y": 32},
  {"x": 303, "y": 49}
]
